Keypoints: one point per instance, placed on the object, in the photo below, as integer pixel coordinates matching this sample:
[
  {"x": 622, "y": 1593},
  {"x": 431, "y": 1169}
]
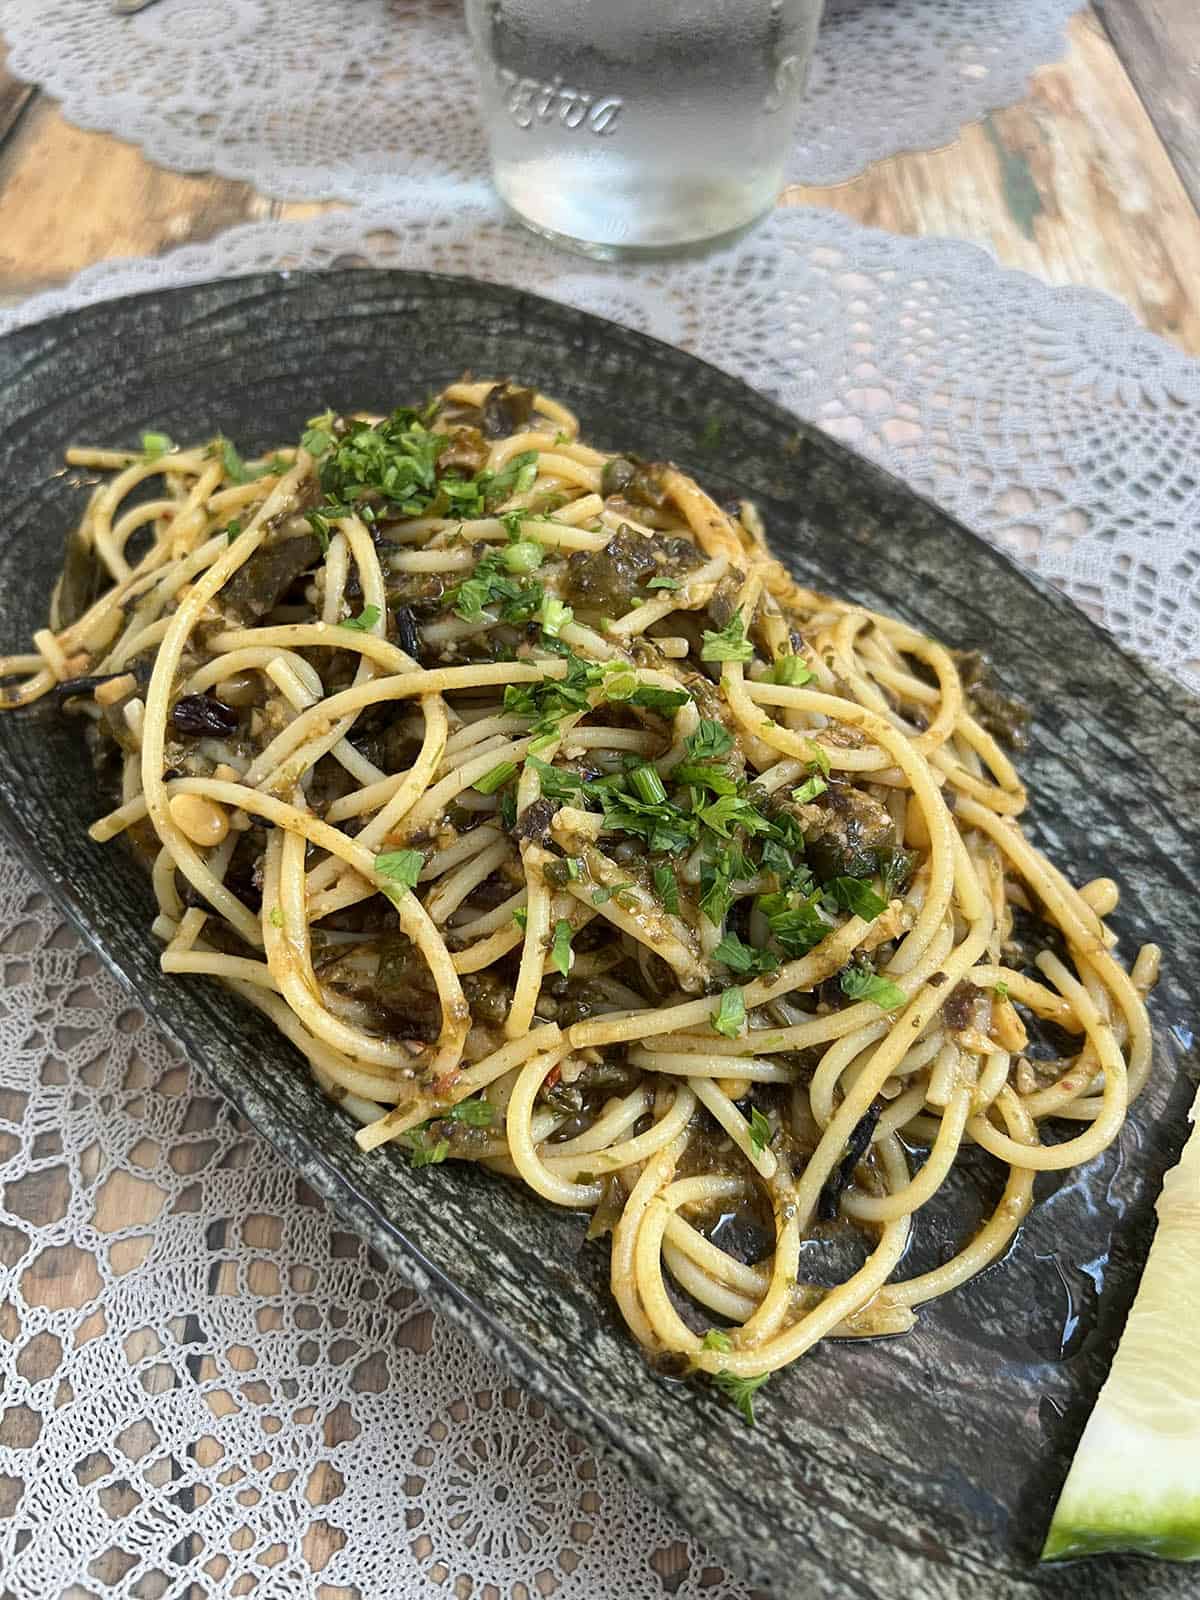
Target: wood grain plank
[
  {"x": 69, "y": 198},
  {"x": 14, "y": 97},
  {"x": 1158, "y": 42},
  {"x": 1072, "y": 184}
]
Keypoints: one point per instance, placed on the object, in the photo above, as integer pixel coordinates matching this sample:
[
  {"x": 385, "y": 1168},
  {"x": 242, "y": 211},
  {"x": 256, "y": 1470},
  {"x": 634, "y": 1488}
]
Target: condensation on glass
[{"x": 641, "y": 126}]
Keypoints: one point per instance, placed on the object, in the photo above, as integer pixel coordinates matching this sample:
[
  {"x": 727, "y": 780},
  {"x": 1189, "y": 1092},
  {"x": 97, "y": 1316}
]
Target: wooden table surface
[
  {"x": 1085, "y": 181},
  {"x": 1092, "y": 179}
]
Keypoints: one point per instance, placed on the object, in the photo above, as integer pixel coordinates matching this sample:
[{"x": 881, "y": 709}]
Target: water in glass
[{"x": 641, "y": 126}]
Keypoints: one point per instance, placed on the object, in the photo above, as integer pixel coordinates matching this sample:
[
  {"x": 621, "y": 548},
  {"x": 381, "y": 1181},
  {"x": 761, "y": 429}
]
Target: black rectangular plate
[{"x": 924, "y": 1465}]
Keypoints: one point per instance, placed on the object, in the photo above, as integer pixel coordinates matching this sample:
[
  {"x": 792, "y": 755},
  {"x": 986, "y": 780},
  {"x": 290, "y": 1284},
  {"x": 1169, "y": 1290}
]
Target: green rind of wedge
[{"x": 1170, "y": 1530}]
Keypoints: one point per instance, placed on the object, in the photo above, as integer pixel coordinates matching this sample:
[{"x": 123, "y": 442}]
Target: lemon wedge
[{"x": 1135, "y": 1481}]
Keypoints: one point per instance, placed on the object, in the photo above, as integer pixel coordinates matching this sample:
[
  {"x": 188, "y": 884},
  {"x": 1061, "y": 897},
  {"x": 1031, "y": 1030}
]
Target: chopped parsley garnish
[
  {"x": 730, "y": 811},
  {"x": 560, "y": 954},
  {"x": 661, "y": 582},
  {"x": 232, "y": 531},
  {"x": 760, "y": 1131},
  {"x": 730, "y": 644},
  {"x": 818, "y": 757},
  {"x": 743, "y": 958},
  {"x": 861, "y": 984},
  {"x": 809, "y": 790},
  {"x": 741, "y": 1391},
  {"x": 422, "y": 1151},
  {"x": 709, "y": 739},
  {"x": 856, "y": 895},
  {"x": 649, "y": 785},
  {"x": 490, "y": 585},
  {"x": 601, "y": 897},
  {"x": 523, "y": 556},
  {"x": 520, "y": 917},
  {"x": 895, "y": 869},
  {"x": 508, "y": 808},
  {"x": 364, "y": 622},
  {"x": 496, "y": 778},
  {"x": 393, "y": 461},
  {"x": 624, "y": 687},
  {"x": 797, "y": 924},
  {"x": 666, "y": 887},
  {"x": 401, "y": 868},
  {"x": 554, "y": 616},
  {"x": 574, "y": 867},
  {"x": 1000, "y": 990},
  {"x": 717, "y": 1339},
  {"x": 716, "y": 893},
  {"x": 555, "y": 782},
  {"x": 791, "y": 670},
  {"x": 475, "y": 1112},
  {"x": 156, "y": 445},
  {"x": 316, "y": 438},
  {"x": 320, "y": 526},
  {"x": 548, "y": 701},
  {"x": 730, "y": 1015}
]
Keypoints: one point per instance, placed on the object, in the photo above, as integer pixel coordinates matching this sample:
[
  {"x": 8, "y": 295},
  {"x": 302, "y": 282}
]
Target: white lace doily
[
  {"x": 241, "y": 1385},
  {"x": 312, "y": 100}
]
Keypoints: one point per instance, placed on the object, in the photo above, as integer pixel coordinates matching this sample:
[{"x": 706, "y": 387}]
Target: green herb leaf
[
  {"x": 520, "y": 917},
  {"x": 860, "y": 984},
  {"x": 523, "y": 556},
  {"x": 895, "y": 869},
  {"x": 421, "y": 1151},
  {"x": 156, "y": 445},
  {"x": 276, "y": 917},
  {"x": 797, "y": 924},
  {"x": 818, "y": 757},
  {"x": 743, "y": 958},
  {"x": 741, "y": 1391},
  {"x": 705, "y": 775},
  {"x": 1000, "y": 990},
  {"x": 475, "y": 1112},
  {"x": 665, "y": 701},
  {"x": 760, "y": 1131},
  {"x": 666, "y": 886},
  {"x": 364, "y": 622},
  {"x": 393, "y": 461},
  {"x": 553, "y": 615},
  {"x": 232, "y": 531},
  {"x": 555, "y": 782},
  {"x": 320, "y": 526},
  {"x": 400, "y": 867},
  {"x": 317, "y": 441},
  {"x": 661, "y": 582},
  {"x": 649, "y": 785},
  {"x": 709, "y": 740},
  {"x": 496, "y": 778},
  {"x": 809, "y": 790},
  {"x": 791, "y": 670},
  {"x": 730, "y": 1015},
  {"x": 856, "y": 895},
  {"x": 717, "y": 1339},
  {"x": 730, "y": 811},
  {"x": 560, "y": 954},
  {"x": 730, "y": 644},
  {"x": 601, "y": 897},
  {"x": 716, "y": 895},
  {"x": 235, "y": 467}
]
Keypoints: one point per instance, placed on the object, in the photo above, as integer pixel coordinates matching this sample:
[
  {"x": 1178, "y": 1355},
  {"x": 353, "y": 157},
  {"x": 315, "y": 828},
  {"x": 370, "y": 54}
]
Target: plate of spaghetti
[{"x": 686, "y": 899}]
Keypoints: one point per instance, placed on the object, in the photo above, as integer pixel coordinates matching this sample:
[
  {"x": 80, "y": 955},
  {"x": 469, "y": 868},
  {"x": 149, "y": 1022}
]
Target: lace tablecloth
[
  {"x": 239, "y": 1393},
  {"x": 309, "y": 100}
]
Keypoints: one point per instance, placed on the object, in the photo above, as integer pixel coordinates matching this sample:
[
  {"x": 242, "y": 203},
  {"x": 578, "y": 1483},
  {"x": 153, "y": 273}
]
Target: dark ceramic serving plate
[{"x": 926, "y": 1465}]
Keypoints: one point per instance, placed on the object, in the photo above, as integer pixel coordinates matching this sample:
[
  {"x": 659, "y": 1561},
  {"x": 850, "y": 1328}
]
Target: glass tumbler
[{"x": 641, "y": 127}]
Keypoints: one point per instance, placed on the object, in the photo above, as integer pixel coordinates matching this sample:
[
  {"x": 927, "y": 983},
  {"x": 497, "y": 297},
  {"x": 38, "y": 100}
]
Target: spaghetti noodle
[{"x": 563, "y": 832}]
